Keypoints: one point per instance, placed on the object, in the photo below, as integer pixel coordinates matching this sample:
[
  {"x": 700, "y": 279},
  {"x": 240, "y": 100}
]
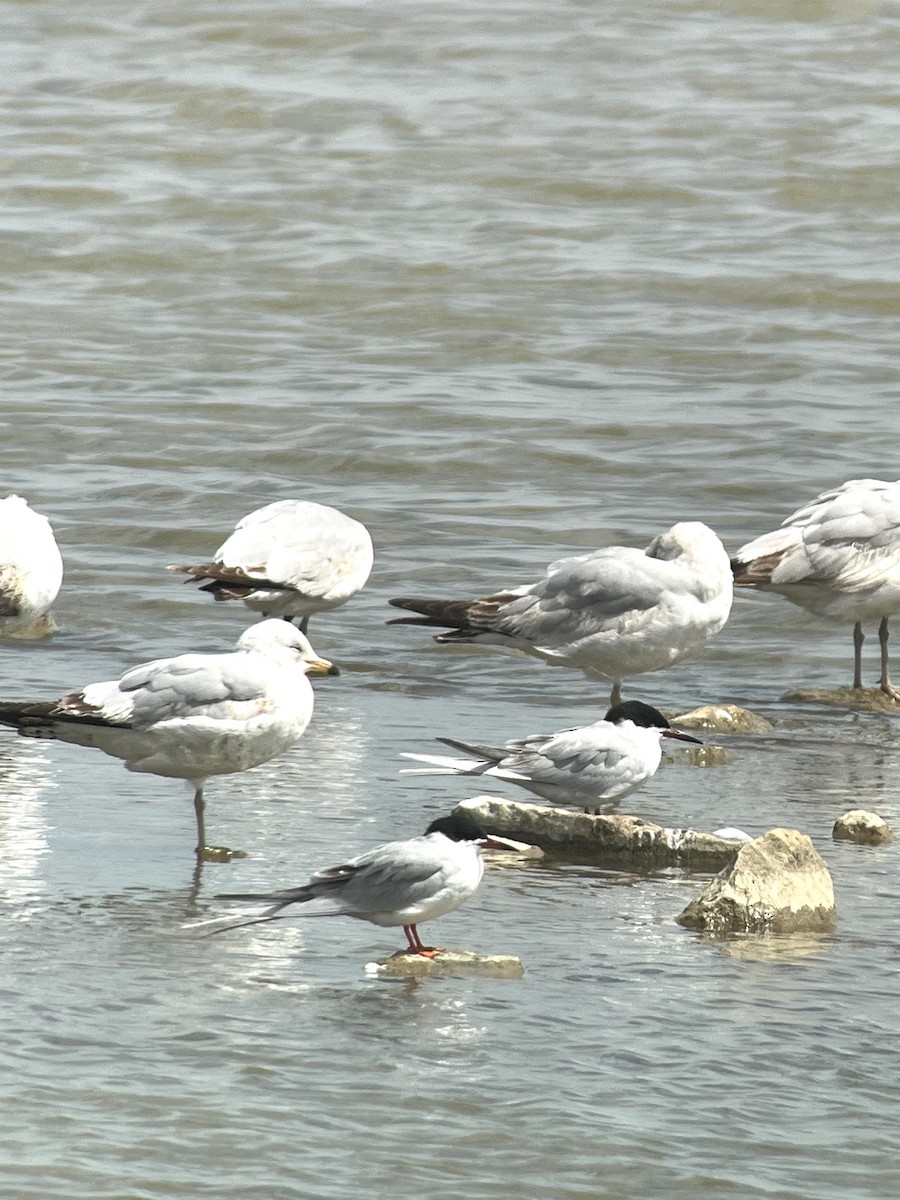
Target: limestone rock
[
  {"x": 723, "y": 718},
  {"x": 862, "y": 699},
  {"x": 866, "y": 828},
  {"x": 614, "y": 837},
  {"x": 778, "y": 883},
  {"x": 403, "y": 965}
]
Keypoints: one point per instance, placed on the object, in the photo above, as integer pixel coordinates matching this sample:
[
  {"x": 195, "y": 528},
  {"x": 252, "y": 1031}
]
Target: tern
[
  {"x": 838, "y": 557},
  {"x": 397, "y": 883},
  {"x": 604, "y": 761},
  {"x": 191, "y": 716},
  {"x": 289, "y": 559},
  {"x": 616, "y": 612}
]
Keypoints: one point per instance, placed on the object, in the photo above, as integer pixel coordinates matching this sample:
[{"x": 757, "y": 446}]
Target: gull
[
  {"x": 838, "y": 556},
  {"x": 604, "y": 761},
  {"x": 191, "y": 716},
  {"x": 616, "y": 612},
  {"x": 31, "y": 569},
  {"x": 289, "y": 559},
  {"x": 397, "y": 883}
]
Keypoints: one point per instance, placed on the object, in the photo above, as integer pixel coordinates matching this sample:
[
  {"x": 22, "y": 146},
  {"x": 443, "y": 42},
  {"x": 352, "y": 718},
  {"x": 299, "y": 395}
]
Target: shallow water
[{"x": 503, "y": 282}]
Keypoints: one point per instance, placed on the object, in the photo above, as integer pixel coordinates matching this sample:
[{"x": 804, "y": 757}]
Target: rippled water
[{"x": 502, "y": 281}]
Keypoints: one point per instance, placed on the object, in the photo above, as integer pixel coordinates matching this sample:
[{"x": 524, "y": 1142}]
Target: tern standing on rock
[
  {"x": 613, "y": 613},
  {"x": 604, "y": 761},
  {"x": 192, "y": 716},
  {"x": 837, "y": 557},
  {"x": 398, "y": 883}
]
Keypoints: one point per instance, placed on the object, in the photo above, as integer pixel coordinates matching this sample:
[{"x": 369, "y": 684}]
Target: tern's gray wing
[
  {"x": 390, "y": 877},
  {"x": 583, "y": 757}
]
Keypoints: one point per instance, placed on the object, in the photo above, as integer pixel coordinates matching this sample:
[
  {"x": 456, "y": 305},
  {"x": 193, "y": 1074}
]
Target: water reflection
[{"x": 25, "y": 779}]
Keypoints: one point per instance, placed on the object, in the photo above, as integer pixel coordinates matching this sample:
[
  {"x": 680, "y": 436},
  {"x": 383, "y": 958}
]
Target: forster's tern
[
  {"x": 397, "y": 883},
  {"x": 604, "y": 761}
]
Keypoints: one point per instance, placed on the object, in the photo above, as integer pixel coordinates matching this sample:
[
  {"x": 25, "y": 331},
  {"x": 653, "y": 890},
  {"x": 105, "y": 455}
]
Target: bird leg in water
[
  {"x": 199, "y": 809},
  {"x": 886, "y": 686},
  {"x": 415, "y": 943},
  {"x": 858, "y": 638}
]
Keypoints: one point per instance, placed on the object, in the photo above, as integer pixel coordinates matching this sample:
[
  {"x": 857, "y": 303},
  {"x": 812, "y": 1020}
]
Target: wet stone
[
  {"x": 778, "y": 883},
  {"x": 614, "y": 838},
  {"x": 864, "y": 828},
  {"x": 861, "y": 699},
  {"x": 722, "y": 718},
  {"x": 403, "y": 965}
]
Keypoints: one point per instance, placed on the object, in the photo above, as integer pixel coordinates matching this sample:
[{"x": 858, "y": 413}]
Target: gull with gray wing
[
  {"x": 837, "y": 557},
  {"x": 616, "y": 612},
  {"x": 191, "y": 716}
]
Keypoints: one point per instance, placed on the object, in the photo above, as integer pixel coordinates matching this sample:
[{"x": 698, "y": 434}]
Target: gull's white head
[{"x": 283, "y": 641}]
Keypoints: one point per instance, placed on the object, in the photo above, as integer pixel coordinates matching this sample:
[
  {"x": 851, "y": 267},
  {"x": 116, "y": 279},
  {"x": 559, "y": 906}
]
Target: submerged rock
[
  {"x": 865, "y": 828},
  {"x": 861, "y": 699},
  {"x": 403, "y": 965},
  {"x": 778, "y": 883},
  {"x": 723, "y": 718},
  {"x": 613, "y": 837}
]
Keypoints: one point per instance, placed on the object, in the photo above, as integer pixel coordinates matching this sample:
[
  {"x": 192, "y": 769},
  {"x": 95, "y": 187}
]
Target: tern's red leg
[{"x": 416, "y": 946}]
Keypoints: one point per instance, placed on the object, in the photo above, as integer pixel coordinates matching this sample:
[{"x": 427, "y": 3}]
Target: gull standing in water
[
  {"x": 616, "y": 612},
  {"x": 192, "y": 716},
  {"x": 31, "y": 570},
  {"x": 290, "y": 559},
  {"x": 604, "y": 761},
  {"x": 397, "y": 883},
  {"x": 837, "y": 557}
]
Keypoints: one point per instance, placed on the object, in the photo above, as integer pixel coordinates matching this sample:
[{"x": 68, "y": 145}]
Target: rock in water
[
  {"x": 778, "y": 883},
  {"x": 865, "y": 828},
  {"x": 449, "y": 962},
  {"x": 723, "y": 718}
]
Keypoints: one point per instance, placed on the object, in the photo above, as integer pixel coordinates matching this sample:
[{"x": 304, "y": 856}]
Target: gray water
[{"x": 503, "y": 281}]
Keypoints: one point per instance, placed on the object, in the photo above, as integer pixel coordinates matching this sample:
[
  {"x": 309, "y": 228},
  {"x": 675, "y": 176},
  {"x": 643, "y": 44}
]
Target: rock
[
  {"x": 778, "y": 883},
  {"x": 614, "y": 837},
  {"x": 403, "y": 965},
  {"x": 862, "y": 699},
  {"x": 865, "y": 828},
  {"x": 723, "y": 718}
]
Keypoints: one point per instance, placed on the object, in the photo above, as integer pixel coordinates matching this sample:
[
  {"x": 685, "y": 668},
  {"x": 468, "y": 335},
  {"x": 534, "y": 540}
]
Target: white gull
[
  {"x": 31, "y": 569},
  {"x": 616, "y": 612},
  {"x": 191, "y": 716},
  {"x": 289, "y": 559},
  {"x": 837, "y": 557}
]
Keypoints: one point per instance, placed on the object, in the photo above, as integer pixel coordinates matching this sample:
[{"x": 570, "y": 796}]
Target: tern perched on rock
[
  {"x": 31, "y": 570},
  {"x": 191, "y": 716},
  {"x": 837, "y": 557},
  {"x": 397, "y": 883},
  {"x": 604, "y": 761},
  {"x": 613, "y": 613},
  {"x": 290, "y": 559}
]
